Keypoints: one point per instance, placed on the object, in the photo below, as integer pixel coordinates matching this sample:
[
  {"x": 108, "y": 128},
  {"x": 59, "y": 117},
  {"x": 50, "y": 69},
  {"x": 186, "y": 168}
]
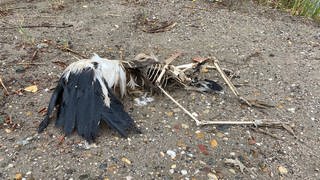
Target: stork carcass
[{"x": 85, "y": 97}]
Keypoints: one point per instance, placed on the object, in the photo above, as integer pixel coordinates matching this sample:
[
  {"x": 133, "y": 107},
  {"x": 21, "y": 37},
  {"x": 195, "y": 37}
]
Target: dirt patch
[{"x": 275, "y": 55}]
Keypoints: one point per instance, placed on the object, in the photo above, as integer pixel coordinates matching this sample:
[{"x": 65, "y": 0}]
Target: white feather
[{"x": 107, "y": 70}]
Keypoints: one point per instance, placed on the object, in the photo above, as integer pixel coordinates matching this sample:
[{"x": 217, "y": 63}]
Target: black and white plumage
[{"x": 84, "y": 97}]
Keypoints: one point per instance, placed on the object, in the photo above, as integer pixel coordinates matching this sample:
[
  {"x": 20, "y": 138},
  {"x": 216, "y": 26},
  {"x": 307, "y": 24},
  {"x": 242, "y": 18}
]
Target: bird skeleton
[{"x": 85, "y": 95}]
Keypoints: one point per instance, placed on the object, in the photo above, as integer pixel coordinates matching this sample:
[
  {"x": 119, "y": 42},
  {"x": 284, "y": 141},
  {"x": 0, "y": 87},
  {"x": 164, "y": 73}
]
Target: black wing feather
[
  {"x": 214, "y": 86},
  {"x": 67, "y": 112},
  {"x": 80, "y": 104},
  {"x": 87, "y": 114},
  {"x": 55, "y": 99}
]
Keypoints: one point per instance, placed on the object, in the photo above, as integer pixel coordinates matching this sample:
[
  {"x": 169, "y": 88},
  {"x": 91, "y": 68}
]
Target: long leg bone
[
  {"x": 198, "y": 123},
  {"x": 229, "y": 83}
]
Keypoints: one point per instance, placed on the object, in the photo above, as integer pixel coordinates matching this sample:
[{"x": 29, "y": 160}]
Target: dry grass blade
[{"x": 4, "y": 87}]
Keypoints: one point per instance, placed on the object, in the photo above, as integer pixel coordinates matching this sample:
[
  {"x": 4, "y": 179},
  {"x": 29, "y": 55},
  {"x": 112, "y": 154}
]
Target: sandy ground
[{"x": 276, "y": 57}]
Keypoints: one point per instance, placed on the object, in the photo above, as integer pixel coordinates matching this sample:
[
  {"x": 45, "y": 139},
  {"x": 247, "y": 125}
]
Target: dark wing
[
  {"x": 211, "y": 85},
  {"x": 82, "y": 107},
  {"x": 116, "y": 117}
]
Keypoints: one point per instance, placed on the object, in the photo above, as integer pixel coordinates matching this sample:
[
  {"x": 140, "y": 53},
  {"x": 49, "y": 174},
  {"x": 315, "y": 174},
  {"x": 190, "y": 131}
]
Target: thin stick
[
  {"x": 198, "y": 8},
  {"x": 39, "y": 26},
  {"x": 72, "y": 51},
  {"x": 266, "y": 132},
  {"x": 4, "y": 87},
  {"x": 31, "y": 63},
  {"x": 180, "y": 106}
]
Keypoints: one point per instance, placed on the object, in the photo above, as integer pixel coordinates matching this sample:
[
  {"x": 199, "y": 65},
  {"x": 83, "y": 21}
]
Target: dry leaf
[
  {"x": 33, "y": 88},
  {"x": 170, "y": 113},
  {"x": 181, "y": 144},
  {"x": 213, "y": 143},
  {"x": 18, "y": 176}
]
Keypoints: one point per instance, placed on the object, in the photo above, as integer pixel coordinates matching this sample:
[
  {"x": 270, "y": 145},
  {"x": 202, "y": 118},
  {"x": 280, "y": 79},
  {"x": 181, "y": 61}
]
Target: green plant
[
  {"x": 25, "y": 34},
  {"x": 308, "y": 8}
]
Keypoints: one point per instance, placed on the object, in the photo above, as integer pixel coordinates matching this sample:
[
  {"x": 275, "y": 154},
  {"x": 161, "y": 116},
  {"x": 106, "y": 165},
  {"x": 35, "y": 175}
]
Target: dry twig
[
  {"x": 31, "y": 63},
  {"x": 44, "y": 25},
  {"x": 72, "y": 51}
]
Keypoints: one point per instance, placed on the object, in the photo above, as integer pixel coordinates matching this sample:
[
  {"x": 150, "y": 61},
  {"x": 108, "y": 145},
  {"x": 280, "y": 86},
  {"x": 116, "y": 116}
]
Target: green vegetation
[{"x": 308, "y": 8}]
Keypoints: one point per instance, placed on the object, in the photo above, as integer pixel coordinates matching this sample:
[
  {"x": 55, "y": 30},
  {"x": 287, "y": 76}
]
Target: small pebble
[
  {"x": 185, "y": 126},
  {"x": 190, "y": 155},
  {"x": 184, "y": 172},
  {"x": 175, "y": 110},
  {"x": 292, "y": 110},
  {"x": 172, "y": 154},
  {"x": 162, "y": 154},
  {"x": 212, "y": 176},
  {"x": 195, "y": 114},
  {"x": 126, "y": 160},
  {"x": 232, "y": 171},
  {"x": 282, "y": 170}
]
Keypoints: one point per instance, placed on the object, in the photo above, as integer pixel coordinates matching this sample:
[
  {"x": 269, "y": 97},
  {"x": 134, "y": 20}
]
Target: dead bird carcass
[{"x": 85, "y": 93}]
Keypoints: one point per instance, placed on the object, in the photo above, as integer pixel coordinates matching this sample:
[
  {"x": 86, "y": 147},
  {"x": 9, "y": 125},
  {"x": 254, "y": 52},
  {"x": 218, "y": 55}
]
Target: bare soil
[{"x": 276, "y": 57}]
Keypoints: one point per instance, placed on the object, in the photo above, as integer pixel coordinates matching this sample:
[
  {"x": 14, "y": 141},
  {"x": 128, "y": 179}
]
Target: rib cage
[
  {"x": 153, "y": 71},
  {"x": 144, "y": 71}
]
